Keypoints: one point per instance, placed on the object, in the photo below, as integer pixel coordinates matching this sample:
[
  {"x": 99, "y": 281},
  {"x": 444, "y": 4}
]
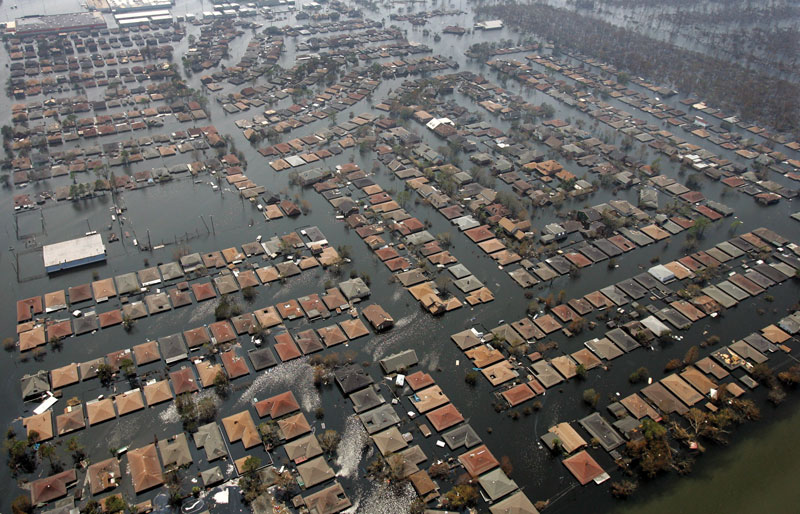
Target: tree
[
  {"x": 223, "y": 309},
  {"x": 461, "y": 496},
  {"x": 105, "y": 374},
  {"x": 287, "y": 485},
  {"x": 206, "y": 409},
  {"x": 443, "y": 283},
  {"x": 590, "y": 397},
  {"x": 791, "y": 376},
  {"x": 471, "y": 378},
  {"x": 640, "y": 375},
  {"x": 623, "y": 489},
  {"x": 127, "y": 323},
  {"x": 128, "y": 367},
  {"x": 699, "y": 227},
  {"x": 691, "y": 355},
  {"x": 21, "y": 504},
  {"x": 92, "y": 507},
  {"x": 439, "y": 470},
  {"x": 269, "y": 433},
  {"x": 250, "y": 481},
  {"x": 78, "y": 452},
  {"x": 20, "y": 457},
  {"x": 115, "y": 504},
  {"x": 187, "y": 410},
  {"x": 652, "y": 452},
  {"x": 329, "y": 441},
  {"x": 221, "y": 383},
  {"x": 249, "y": 293},
  {"x": 48, "y": 451}
]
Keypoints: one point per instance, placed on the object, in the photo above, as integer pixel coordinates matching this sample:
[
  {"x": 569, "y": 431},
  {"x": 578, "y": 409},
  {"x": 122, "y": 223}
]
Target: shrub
[
  {"x": 623, "y": 488},
  {"x": 590, "y": 397},
  {"x": 640, "y": 375}
]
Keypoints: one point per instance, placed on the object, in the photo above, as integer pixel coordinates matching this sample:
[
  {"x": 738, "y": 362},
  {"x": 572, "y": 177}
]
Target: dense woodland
[{"x": 754, "y": 96}]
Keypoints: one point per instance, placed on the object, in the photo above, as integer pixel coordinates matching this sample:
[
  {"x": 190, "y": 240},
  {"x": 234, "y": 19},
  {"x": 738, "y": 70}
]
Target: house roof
[
  {"x": 377, "y": 316},
  {"x": 294, "y": 426},
  {"x": 146, "y": 352},
  {"x": 330, "y": 500},
  {"x": 100, "y": 411},
  {"x": 583, "y": 467},
  {"x": 428, "y": 399},
  {"x": 389, "y": 441},
  {"x": 303, "y": 448},
  {"x": 212, "y": 476},
  {"x": 315, "y": 472},
  {"x": 42, "y": 424},
  {"x": 70, "y": 421},
  {"x": 463, "y": 435},
  {"x": 207, "y": 372},
  {"x": 365, "y": 399},
  {"x": 64, "y": 376},
  {"x": 103, "y": 475},
  {"x": 183, "y": 381},
  {"x": 209, "y": 438},
  {"x": 352, "y": 378},
  {"x": 129, "y": 401},
  {"x": 444, "y": 417},
  {"x": 497, "y": 484},
  {"x": 240, "y": 426},
  {"x": 52, "y": 487},
  {"x": 262, "y": 358},
  {"x": 517, "y": 503},
  {"x": 478, "y": 461},
  {"x": 235, "y": 365},
  {"x": 145, "y": 469},
  {"x": 157, "y": 392},
  {"x": 419, "y": 380},
  {"x": 278, "y": 405},
  {"x": 175, "y": 451}
]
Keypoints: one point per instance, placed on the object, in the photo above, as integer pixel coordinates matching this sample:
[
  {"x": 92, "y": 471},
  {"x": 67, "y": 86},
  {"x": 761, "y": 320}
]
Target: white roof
[
  {"x": 73, "y": 250},
  {"x": 662, "y": 273}
]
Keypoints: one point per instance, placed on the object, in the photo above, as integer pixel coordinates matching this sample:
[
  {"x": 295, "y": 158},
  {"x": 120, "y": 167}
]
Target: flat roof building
[
  {"x": 74, "y": 253},
  {"x": 120, "y": 6},
  {"x": 56, "y": 23}
]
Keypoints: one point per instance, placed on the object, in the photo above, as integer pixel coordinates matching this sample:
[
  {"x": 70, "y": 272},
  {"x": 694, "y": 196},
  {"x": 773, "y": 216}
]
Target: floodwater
[{"x": 171, "y": 213}]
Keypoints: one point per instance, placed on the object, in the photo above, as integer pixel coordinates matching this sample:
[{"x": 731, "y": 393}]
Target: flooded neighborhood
[{"x": 400, "y": 256}]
